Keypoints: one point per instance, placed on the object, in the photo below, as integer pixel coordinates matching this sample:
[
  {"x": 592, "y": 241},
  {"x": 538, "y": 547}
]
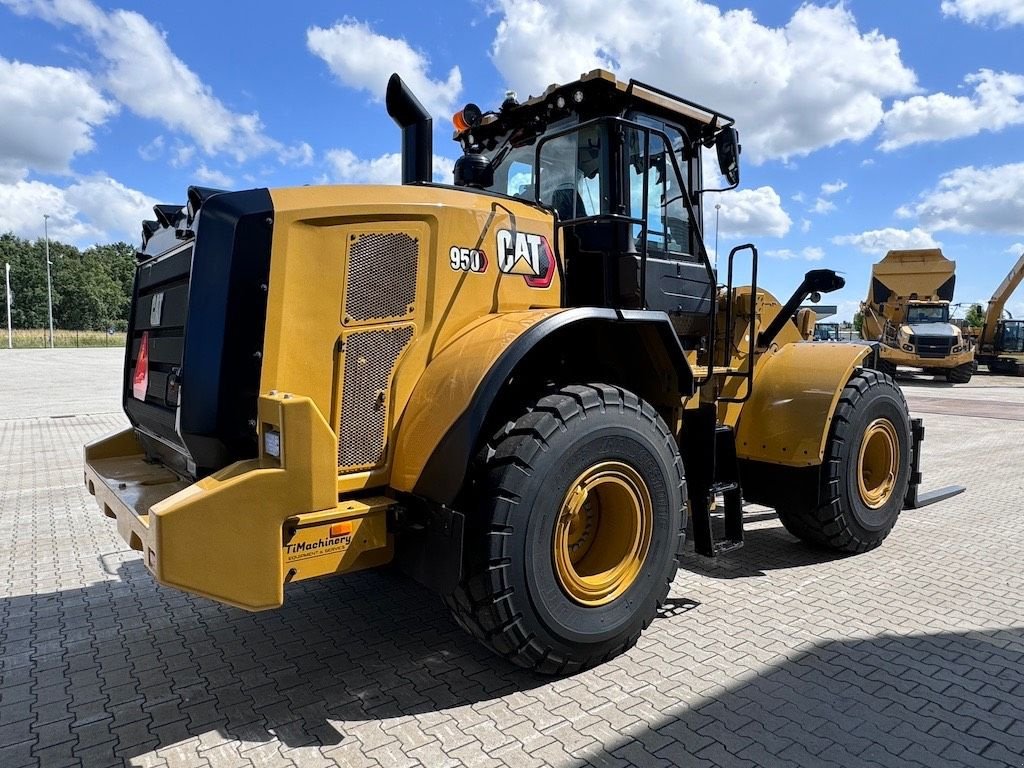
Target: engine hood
[{"x": 932, "y": 329}]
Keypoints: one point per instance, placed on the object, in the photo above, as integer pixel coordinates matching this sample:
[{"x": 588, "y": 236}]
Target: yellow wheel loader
[{"x": 518, "y": 388}]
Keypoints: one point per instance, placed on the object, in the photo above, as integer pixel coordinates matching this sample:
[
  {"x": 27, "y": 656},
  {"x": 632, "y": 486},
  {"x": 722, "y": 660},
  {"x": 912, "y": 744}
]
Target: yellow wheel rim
[
  {"x": 878, "y": 463},
  {"x": 602, "y": 533}
]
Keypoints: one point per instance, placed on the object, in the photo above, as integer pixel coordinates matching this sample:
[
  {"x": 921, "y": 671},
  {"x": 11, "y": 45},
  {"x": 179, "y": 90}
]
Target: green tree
[
  {"x": 91, "y": 289},
  {"x": 975, "y": 316},
  {"x": 858, "y": 321}
]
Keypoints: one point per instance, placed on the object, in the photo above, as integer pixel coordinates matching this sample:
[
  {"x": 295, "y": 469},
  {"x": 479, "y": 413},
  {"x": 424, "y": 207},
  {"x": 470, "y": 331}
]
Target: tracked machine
[
  {"x": 518, "y": 388},
  {"x": 1001, "y": 342}
]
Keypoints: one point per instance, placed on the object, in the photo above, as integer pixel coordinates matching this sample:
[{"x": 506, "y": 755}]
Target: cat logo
[{"x": 526, "y": 254}]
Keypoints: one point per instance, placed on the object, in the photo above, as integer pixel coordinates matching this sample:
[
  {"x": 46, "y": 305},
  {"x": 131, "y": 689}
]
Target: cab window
[
  {"x": 668, "y": 220},
  {"x": 570, "y": 174}
]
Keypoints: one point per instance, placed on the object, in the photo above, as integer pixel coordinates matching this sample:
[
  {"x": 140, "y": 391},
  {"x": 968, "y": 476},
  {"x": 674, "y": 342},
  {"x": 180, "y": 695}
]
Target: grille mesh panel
[
  {"x": 370, "y": 358},
  {"x": 381, "y": 280}
]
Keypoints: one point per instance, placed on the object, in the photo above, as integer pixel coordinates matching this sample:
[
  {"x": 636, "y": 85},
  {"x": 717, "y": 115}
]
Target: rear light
[{"x": 140, "y": 381}]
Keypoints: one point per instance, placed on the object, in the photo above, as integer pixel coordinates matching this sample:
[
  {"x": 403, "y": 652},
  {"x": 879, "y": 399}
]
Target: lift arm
[{"x": 998, "y": 301}]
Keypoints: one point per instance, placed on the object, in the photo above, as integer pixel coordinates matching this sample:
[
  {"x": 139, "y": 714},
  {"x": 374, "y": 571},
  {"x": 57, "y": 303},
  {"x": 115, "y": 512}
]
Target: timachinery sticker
[{"x": 335, "y": 539}]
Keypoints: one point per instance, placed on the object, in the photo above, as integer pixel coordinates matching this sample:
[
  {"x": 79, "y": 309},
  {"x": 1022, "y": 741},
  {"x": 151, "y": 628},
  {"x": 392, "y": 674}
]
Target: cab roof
[
  {"x": 595, "y": 94},
  {"x": 640, "y": 93}
]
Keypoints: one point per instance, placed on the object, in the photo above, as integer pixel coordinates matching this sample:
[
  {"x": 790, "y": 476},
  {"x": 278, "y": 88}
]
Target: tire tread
[{"x": 481, "y": 603}]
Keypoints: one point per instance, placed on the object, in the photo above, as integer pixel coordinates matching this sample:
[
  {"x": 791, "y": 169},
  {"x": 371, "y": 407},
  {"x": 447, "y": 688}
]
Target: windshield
[
  {"x": 1013, "y": 336},
  {"x": 934, "y": 313}
]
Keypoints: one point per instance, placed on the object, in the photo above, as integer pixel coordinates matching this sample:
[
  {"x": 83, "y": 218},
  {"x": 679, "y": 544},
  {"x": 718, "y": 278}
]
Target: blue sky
[{"x": 866, "y": 125}]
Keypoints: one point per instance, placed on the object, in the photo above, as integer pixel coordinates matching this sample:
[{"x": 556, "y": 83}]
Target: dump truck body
[{"x": 907, "y": 312}]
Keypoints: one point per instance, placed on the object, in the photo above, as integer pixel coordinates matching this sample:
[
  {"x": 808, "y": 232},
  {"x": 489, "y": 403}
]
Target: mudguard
[
  {"x": 787, "y": 418},
  {"x": 442, "y": 423}
]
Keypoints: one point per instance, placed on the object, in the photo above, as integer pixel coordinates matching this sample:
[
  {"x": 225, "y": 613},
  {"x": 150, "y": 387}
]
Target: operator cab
[
  {"x": 919, "y": 314},
  {"x": 620, "y": 166},
  {"x": 1010, "y": 336}
]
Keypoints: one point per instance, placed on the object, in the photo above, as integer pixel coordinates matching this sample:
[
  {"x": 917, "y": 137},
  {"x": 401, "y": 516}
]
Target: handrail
[{"x": 748, "y": 374}]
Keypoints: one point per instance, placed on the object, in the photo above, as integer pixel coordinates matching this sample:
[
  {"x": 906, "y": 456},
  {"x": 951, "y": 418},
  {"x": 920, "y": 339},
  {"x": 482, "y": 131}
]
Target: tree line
[{"x": 92, "y": 289}]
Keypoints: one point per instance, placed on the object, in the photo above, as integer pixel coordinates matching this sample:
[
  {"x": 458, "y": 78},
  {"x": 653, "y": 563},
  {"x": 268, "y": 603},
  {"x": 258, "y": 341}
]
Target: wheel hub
[
  {"x": 602, "y": 533},
  {"x": 878, "y": 463}
]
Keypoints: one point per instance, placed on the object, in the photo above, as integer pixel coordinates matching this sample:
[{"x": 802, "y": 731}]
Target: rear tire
[
  {"x": 961, "y": 374},
  {"x": 558, "y": 610},
  {"x": 865, "y": 473}
]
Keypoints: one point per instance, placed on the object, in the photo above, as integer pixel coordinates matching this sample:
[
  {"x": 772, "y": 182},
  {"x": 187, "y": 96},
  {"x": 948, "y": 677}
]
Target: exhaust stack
[{"x": 417, "y": 125}]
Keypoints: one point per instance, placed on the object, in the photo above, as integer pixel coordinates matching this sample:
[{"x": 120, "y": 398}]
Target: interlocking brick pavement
[{"x": 775, "y": 655}]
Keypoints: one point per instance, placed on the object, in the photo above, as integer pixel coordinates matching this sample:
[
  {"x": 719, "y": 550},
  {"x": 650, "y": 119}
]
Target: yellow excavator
[
  {"x": 1001, "y": 343},
  {"x": 519, "y": 387}
]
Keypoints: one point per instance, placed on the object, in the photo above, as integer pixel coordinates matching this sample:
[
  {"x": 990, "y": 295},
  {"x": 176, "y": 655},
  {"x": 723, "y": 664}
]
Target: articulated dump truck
[
  {"x": 907, "y": 313},
  {"x": 520, "y": 388}
]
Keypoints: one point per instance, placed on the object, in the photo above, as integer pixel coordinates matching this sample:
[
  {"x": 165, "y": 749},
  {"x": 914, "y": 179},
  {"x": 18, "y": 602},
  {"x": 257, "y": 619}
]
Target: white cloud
[
  {"x": 300, "y": 154},
  {"x": 362, "y": 59},
  {"x": 91, "y": 210},
  {"x": 997, "y": 102},
  {"x": 822, "y": 203},
  {"x": 348, "y": 168},
  {"x": 153, "y": 149},
  {"x": 752, "y": 213},
  {"x": 1000, "y": 12},
  {"x": 988, "y": 199},
  {"x": 1015, "y": 249},
  {"x": 878, "y": 241},
  {"x": 182, "y": 154},
  {"x": 143, "y": 73},
  {"x": 811, "y": 253},
  {"x": 213, "y": 177},
  {"x": 805, "y": 225},
  {"x": 817, "y": 81},
  {"x": 49, "y": 116}
]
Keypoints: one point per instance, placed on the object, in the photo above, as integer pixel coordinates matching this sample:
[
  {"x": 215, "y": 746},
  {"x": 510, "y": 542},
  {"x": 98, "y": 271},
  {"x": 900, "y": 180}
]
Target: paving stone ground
[{"x": 776, "y": 655}]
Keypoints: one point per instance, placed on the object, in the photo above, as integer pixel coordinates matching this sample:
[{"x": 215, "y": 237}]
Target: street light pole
[
  {"x": 718, "y": 207},
  {"x": 49, "y": 288},
  {"x": 7, "y": 282}
]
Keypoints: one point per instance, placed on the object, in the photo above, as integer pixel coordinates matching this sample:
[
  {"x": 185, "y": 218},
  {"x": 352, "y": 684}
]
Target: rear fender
[{"x": 455, "y": 400}]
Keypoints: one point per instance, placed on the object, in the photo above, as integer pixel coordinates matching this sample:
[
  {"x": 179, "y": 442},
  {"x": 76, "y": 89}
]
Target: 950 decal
[{"x": 467, "y": 259}]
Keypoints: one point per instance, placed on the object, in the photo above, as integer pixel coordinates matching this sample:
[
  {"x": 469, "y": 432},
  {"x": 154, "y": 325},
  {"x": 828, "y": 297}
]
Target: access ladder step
[{"x": 727, "y": 546}]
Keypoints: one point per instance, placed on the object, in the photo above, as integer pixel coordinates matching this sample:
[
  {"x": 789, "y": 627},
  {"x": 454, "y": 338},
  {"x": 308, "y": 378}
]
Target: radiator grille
[
  {"x": 933, "y": 346},
  {"x": 381, "y": 280},
  {"x": 370, "y": 358}
]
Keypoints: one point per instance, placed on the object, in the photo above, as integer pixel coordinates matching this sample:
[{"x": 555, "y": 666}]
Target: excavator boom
[{"x": 998, "y": 301}]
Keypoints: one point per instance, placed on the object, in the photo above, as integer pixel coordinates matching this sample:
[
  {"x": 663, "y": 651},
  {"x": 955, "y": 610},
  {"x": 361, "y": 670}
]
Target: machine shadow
[
  {"x": 943, "y": 699},
  {"x": 765, "y": 548},
  {"x": 131, "y": 662}
]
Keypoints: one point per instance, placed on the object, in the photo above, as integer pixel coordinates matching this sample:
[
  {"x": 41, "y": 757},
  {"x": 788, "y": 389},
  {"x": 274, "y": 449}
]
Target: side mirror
[{"x": 728, "y": 146}]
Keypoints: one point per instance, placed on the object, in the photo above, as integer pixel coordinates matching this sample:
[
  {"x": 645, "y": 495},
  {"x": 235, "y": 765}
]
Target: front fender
[{"x": 787, "y": 418}]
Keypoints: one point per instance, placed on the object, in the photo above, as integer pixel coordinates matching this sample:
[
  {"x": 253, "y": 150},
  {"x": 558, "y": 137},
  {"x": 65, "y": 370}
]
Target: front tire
[
  {"x": 864, "y": 477},
  {"x": 576, "y": 530},
  {"x": 961, "y": 374}
]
